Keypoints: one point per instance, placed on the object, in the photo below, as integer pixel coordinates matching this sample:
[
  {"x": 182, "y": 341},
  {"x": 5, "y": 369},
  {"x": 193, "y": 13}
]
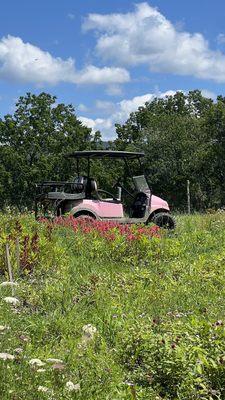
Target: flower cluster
[
  {"x": 29, "y": 253},
  {"x": 106, "y": 229}
]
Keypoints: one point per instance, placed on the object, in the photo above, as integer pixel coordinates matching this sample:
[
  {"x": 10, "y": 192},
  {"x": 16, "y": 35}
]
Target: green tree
[
  {"x": 34, "y": 141},
  {"x": 183, "y": 138},
  {"x": 213, "y": 126}
]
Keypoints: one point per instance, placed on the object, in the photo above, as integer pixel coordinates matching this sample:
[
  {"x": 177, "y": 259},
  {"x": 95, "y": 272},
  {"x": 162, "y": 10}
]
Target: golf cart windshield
[{"x": 141, "y": 183}]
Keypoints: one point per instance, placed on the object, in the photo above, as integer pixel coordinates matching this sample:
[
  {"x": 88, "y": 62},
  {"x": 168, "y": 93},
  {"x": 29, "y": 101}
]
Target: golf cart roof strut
[
  {"x": 105, "y": 153},
  {"x": 78, "y": 169}
]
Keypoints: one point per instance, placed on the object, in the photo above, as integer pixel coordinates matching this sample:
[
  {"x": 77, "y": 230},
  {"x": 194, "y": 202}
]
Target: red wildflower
[{"x": 105, "y": 229}]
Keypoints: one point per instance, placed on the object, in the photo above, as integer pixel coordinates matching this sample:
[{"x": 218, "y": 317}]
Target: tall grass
[{"x": 127, "y": 318}]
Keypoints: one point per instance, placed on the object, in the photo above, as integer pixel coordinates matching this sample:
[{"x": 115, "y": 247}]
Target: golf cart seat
[
  {"x": 79, "y": 184},
  {"x": 92, "y": 192},
  {"x": 91, "y": 188}
]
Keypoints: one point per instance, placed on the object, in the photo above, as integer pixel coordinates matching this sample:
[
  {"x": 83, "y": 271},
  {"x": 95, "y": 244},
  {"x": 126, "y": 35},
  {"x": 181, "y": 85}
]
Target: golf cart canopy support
[{"x": 104, "y": 154}]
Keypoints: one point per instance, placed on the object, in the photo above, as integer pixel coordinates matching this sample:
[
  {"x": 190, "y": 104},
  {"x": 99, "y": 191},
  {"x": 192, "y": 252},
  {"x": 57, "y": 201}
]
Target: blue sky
[{"x": 109, "y": 57}]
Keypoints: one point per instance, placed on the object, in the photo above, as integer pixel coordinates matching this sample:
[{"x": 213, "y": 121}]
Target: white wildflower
[
  {"x": 54, "y": 360},
  {"x": 128, "y": 383},
  {"x": 24, "y": 338},
  {"x": 72, "y": 387},
  {"x": 18, "y": 350},
  {"x": 6, "y": 356},
  {"x": 12, "y": 300},
  {"x": 89, "y": 332},
  {"x": 8, "y": 283},
  {"x": 36, "y": 362},
  {"x": 43, "y": 389},
  {"x": 3, "y": 328},
  {"x": 58, "y": 367},
  {"x": 41, "y": 370}
]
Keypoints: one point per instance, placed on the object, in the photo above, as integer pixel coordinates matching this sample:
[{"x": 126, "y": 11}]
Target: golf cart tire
[
  {"x": 164, "y": 220},
  {"x": 84, "y": 215}
]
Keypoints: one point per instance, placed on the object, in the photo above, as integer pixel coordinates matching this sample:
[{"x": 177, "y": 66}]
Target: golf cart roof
[{"x": 105, "y": 153}]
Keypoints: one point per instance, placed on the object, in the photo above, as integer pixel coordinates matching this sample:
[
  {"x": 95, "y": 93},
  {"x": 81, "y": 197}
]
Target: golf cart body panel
[
  {"x": 158, "y": 204},
  {"x": 101, "y": 209},
  {"x": 111, "y": 210},
  {"x": 83, "y": 198}
]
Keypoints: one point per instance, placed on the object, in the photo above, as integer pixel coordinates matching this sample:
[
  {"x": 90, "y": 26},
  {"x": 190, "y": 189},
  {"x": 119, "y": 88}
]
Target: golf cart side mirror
[{"x": 119, "y": 193}]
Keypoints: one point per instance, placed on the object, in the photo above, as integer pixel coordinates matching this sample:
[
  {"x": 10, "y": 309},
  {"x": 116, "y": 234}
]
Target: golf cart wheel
[
  {"x": 164, "y": 220},
  {"x": 84, "y": 216}
]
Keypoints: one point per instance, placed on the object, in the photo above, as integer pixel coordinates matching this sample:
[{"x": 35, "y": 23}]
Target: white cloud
[
  {"x": 220, "y": 38},
  {"x": 209, "y": 94},
  {"x": 105, "y": 75},
  {"x": 105, "y": 106},
  {"x": 100, "y": 106},
  {"x": 114, "y": 90},
  {"x": 145, "y": 36},
  {"x": 71, "y": 16},
  {"x": 90, "y": 123},
  {"x": 121, "y": 113},
  {"x": 24, "y": 62},
  {"x": 104, "y": 125},
  {"x": 82, "y": 107}
]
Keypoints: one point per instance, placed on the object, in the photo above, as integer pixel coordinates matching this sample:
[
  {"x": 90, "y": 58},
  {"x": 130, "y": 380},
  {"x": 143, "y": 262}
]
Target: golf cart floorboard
[{"x": 127, "y": 220}]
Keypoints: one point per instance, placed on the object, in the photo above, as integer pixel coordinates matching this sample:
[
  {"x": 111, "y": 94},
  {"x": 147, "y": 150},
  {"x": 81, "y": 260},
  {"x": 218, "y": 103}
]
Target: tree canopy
[
  {"x": 183, "y": 137},
  {"x": 34, "y": 142}
]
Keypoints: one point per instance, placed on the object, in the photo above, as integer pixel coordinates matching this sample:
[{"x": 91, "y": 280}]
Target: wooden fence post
[
  {"x": 9, "y": 266},
  {"x": 188, "y": 197},
  {"x": 18, "y": 253}
]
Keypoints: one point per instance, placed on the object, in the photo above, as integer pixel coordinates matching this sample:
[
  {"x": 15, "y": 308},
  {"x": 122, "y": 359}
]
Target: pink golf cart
[{"x": 82, "y": 198}]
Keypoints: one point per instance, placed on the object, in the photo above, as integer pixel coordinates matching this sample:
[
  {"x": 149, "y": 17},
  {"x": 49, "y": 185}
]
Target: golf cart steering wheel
[
  {"x": 108, "y": 193},
  {"x": 118, "y": 184}
]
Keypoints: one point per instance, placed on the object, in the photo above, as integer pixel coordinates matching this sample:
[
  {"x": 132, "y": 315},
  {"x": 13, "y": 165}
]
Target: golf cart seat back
[
  {"x": 79, "y": 184},
  {"x": 91, "y": 187}
]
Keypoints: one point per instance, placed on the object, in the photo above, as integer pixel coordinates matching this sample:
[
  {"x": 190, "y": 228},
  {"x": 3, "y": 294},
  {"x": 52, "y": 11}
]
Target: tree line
[{"x": 183, "y": 137}]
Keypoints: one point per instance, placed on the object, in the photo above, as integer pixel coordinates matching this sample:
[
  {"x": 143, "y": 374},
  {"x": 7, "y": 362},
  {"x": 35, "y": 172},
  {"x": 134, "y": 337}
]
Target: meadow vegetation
[{"x": 104, "y": 313}]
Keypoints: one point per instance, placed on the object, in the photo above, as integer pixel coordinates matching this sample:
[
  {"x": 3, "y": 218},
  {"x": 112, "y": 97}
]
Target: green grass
[{"x": 158, "y": 306}]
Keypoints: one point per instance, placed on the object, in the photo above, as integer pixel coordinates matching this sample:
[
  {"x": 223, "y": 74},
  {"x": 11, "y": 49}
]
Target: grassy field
[{"x": 113, "y": 315}]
